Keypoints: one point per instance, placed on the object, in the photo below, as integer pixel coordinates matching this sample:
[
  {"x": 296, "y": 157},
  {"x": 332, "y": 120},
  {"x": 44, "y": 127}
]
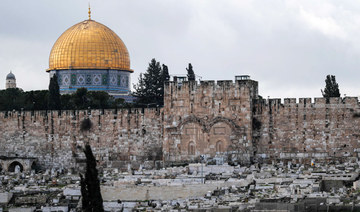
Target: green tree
[
  {"x": 99, "y": 99},
  {"x": 165, "y": 73},
  {"x": 140, "y": 91},
  {"x": 190, "y": 73},
  {"x": 54, "y": 94},
  {"x": 80, "y": 99},
  {"x": 90, "y": 185},
  {"x": 17, "y": 99},
  {"x": 118, "y": 102},
  {"x": 150, "y": 88},
  {"x": 12, "y": 99},
  {"x": 36, "y": 100},
  {"x": 67, "y": 102},
  {"x": 331, "y": 87}
]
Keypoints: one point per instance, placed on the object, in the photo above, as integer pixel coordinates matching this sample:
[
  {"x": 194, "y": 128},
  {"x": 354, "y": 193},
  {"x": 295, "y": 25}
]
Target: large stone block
[{"x": 5, "y": 197}]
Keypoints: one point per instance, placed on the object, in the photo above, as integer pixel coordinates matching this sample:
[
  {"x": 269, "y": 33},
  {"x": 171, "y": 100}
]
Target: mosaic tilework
[
  {"x": 65, "y": 79},
  {"x": 123, "y": 81},
  {"x": 104, "y": 78},
  {"x": 126, "y": 81},
  {"x": 73, "y": 79},
  {"x": 88, "y": 79},
  {"x": 80, "y": 79},
  {"x": 59, "y": 79},
  {"x": 97, "y": 79},
  {"x": 112, "y": 81},
  {"x": 118, "y": 79}
]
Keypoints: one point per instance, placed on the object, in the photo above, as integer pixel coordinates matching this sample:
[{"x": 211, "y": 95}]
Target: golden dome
[{"x": 89, "y": 45}]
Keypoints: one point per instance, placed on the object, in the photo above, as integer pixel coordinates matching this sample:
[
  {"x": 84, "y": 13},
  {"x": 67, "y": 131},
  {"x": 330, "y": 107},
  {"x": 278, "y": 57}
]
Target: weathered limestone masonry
[
  {"x": 208, "y": 118},
  {"x": 53, "y": 137},
  {"x": 307, "y": 130}
]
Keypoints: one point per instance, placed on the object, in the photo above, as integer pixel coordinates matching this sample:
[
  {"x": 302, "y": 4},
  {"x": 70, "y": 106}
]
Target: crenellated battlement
[
  {"x": 83, "y": 113},
  {"x": 309, "y": 102},
  {"x": 210, "y": 83},
  {"x": 229, "y": 88}
]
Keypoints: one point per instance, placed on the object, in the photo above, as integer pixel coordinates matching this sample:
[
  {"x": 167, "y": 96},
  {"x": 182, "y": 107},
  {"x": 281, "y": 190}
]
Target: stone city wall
[
  {"x": 209, "y": 118},
  {"x": 56, "y": 140},
  {"x": 306, "y": 130}
]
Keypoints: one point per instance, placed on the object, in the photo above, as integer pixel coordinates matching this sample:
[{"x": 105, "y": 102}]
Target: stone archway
[
  {"x": 191, "y": 148},
  {"x": 34, "y": 166},
  {"x": 194, "y": 120},
  {"x": 12, "y": 166},
  {"x": 192, "y": 139},
  {"x": 219, "y": 146},
  {"x": 236, "y": 129},
  {"x": 220, "y": 135}
]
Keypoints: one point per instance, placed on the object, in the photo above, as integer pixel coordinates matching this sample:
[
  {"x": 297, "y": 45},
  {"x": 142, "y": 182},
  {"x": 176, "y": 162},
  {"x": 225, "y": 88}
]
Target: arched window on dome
[
  {"x": 219, "y": 146},
  {"x": 191, "y": 148}
]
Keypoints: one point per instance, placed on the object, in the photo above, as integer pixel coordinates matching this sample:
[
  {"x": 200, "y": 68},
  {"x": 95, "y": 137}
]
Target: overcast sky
[{"x": 288, "y": 46}]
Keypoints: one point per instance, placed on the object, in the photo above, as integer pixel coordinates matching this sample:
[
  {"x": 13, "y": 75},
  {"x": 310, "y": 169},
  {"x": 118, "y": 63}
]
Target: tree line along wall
[
  {"x": 307, "y": 130},
  {"x": 117, "y": 136}
]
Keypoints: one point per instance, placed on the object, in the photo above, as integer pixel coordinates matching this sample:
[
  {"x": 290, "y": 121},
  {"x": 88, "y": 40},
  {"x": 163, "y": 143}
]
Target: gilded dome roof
[{"x": 89, "y": 45}]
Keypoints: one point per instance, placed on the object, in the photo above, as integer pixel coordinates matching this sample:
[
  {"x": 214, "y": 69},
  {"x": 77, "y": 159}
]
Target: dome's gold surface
[{"x": 89, "y": 45}]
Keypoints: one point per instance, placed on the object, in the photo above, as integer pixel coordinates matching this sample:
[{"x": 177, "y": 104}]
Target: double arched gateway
[{"x": 204, "y": 136}]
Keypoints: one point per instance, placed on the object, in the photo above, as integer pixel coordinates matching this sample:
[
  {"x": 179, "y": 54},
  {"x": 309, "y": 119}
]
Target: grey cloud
[{"x": 288, "y": 46}]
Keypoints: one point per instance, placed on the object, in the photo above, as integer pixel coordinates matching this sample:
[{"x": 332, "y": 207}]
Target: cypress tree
[
  {"x": 190, "y": 73},
  {"x": 54, "y": 102},
  {"x": 165, "y": 73},
  {"x": 84, "y": 194},
  {"x": 90, "y": 185},
  {"x": 331, "y": 88}
]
